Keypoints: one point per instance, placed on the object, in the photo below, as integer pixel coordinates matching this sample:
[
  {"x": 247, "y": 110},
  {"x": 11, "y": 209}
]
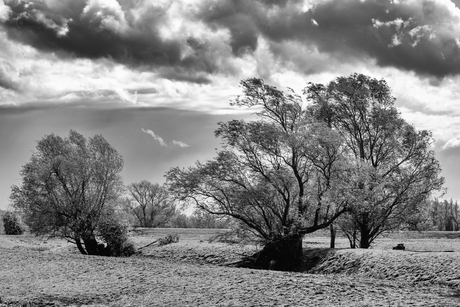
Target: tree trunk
[
  {"x": 351, "y": 236},
  {"x": 365, "y": 238},
  {"x": 333, "y": 233},
  {"x": 285, "y": 254},
  {"x": 92, "y": 247},
  {"x": 80, "y": 247},
  {"x": 365, "y": 231}
]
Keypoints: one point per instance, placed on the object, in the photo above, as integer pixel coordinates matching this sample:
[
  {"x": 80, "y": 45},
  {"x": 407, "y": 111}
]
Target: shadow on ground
[{"x": 315, "y": 256}]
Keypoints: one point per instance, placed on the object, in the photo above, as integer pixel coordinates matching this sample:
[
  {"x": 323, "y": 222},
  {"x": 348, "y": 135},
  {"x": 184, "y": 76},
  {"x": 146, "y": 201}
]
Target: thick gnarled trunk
[
  {"x": 284, "y": 254},
  {"x": 90, "y": 246},
  {"x": 364, "y": 241}
]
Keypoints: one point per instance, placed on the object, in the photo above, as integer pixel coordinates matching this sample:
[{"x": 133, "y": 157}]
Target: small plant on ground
[
  {"x": 115, "y": 235},
  {"x": 171, "y": 238},
  {"x": 168, "y": 239},
  {"x": 11, "y": 224}
]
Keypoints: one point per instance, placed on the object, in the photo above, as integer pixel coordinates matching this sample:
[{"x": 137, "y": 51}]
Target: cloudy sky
[{"x": 154, "y": 77}]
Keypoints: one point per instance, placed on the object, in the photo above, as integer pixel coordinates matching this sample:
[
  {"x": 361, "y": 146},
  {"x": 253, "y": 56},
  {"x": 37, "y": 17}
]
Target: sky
[{"x": 155, "y": 77}]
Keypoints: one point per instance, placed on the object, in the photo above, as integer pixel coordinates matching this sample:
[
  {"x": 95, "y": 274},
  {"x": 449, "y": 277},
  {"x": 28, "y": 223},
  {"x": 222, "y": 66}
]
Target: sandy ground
[{"x": 35, "y": 273}]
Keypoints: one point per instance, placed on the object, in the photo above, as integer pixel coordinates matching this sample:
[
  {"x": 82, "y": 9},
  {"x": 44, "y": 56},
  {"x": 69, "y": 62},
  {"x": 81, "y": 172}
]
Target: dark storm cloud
[
  {"x": 126, "y": 33},
  {"x": 406, "y": 35},
  {"x": 240, "y": 18},
  {"x": 420, "y": 36}
]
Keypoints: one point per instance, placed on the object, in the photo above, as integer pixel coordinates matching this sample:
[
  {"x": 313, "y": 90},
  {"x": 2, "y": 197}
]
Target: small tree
[
  {"x": 115, "y": 236},
  {"x": 69, "y": 187},
  {"x": 150, "y": 203},
  {"x": 401, "y": 169},
  {"x": 281, "y": 176},
  {"x": 11, "y": 224}
]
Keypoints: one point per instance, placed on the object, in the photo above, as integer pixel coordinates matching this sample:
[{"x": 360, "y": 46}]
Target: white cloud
[
  {"x": 155, "y": 137},
  {"x": 452, "y": 143},
  {"x": 161, "y": 141},
  {"x": 108, "y": 13},
  {"x": 126, "y": 96},
  {"x": 180, "y": 144},
  {"x": 4, "y": 11}
]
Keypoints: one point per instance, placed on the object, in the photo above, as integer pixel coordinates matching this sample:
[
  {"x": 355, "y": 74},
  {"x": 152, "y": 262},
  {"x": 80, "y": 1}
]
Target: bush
[
  {"x": 11, "y": 224},
  {"x": 115, "y": 235},
  {"x": 168, "y": 239}
]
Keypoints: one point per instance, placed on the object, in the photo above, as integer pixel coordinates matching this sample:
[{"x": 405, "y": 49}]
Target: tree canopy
[
  {"x": 300, "y": 166},
  {"x": 281, "y": 176},
  {"x": 402, "y": 171},
  {"x": 68, "y": 188}
]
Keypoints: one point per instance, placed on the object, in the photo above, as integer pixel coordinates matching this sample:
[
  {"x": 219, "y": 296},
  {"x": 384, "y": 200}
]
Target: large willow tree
[
  {"x": 402, "y": 171},
  {"x": 281, "y": 176},
  {"x": 68, "y": 189}
]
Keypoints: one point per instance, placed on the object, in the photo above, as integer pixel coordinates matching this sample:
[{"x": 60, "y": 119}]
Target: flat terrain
[{"x": 35, "y": 272}]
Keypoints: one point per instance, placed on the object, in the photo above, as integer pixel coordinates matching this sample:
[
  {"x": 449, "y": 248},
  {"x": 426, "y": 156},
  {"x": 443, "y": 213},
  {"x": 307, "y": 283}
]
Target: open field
[{"x": 34, "y": 272}]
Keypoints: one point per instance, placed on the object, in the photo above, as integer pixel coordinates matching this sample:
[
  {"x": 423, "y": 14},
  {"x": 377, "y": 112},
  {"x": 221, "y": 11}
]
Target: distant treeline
[
  {"x": 440, "y": 215},
  {"x": 444, "y": 215},
  {"x": 198, "y": 219}
]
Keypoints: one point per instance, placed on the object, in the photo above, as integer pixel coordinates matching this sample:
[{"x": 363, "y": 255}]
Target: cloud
[
  {"x": 420, "y": 36},
  {"x": 30, "y": 76},
  {"x": 162, "y": 142},
  {"x": 457, "y": 3},
  {"x": 144, "y": 35},
  {"x": 155, "y": 137},
  {"x": 192, "y": 54},
  {"x": 6, "y": 76},
  {"x": 239, "y": 18},
  {"x": 105, "y": 14},
  {"x": 452, "y": 143},
  {"x": 180, "y": 144},
  {"x": 5, "y": 11},
  {"x": 125, "y": 96},
  {"x": 60, "y": 28},
  {"x": 193, "y": 40}
]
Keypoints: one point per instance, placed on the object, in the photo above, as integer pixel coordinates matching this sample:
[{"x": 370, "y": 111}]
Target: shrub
[
  {"x": 115, "y": 235},
  {"x": 11, "y": 224},
  {"x": 168, "y": 239}
]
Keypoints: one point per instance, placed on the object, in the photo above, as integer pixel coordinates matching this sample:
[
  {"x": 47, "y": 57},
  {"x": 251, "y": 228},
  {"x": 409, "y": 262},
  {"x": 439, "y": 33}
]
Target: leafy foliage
[
  {"x": 401, "y": 170},
  {"x": 281, "y": 176},
  {"x": 115, "y": 235},
  {"x": 68, "y": 188},
  {"x": 11, "y": 224}
]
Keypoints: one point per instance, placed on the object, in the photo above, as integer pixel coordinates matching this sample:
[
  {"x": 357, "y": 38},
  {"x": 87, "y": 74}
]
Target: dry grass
[{"x": 35, "y": 272}]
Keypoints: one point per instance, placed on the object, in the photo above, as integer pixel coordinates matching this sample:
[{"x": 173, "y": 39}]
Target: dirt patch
[
  {"x": 192, "y": 273},
  {"x": 414, "y": 267},
  {"x": 39, "y": 278}
]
